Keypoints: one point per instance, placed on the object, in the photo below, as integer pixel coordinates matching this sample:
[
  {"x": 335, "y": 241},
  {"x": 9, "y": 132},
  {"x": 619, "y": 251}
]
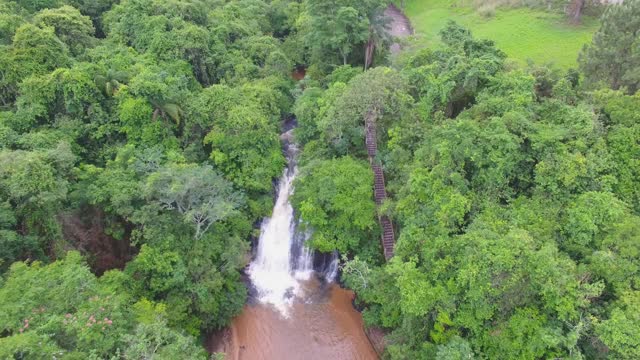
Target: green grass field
[{"x": 522, "y": 33}]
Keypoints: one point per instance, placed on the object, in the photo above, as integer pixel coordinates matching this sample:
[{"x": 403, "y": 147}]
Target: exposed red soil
[{"x": 85, "y": 231}]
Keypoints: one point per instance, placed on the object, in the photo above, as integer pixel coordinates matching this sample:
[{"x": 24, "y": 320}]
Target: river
[
  {"x": 322, "y": 326},
  {"x": 296, "y": 310}
]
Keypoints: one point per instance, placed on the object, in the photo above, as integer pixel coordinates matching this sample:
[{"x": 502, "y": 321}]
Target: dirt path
[{"x": 400, "y": 26}]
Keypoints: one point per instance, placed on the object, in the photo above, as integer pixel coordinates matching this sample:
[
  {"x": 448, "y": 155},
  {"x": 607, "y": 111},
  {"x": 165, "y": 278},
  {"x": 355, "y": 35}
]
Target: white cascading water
[
  {"x": 332, "y": 270},
  {"x": 275, "y": 272},
  {"x": 304, "y": 262}
]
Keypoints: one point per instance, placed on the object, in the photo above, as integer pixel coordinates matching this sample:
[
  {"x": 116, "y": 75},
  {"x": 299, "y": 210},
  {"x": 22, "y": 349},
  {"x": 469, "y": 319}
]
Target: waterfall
[
  {"x": 303, "y": 265},
  {"x": 282, "y": 260},
  {"x": 331, "y": 271}
]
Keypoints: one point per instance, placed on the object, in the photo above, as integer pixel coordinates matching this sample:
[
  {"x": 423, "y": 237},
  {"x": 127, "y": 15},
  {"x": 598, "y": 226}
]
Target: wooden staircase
[
  {"x": 379, "y": 190},
  {"x": 388, "y": 237},
  {"x": 370, "y": 140}
]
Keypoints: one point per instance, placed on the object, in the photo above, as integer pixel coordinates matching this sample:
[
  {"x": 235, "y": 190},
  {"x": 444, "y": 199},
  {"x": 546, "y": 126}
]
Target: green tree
[
  {"x": 623, "y": 120},
  {"x": 611, "y": 57},
  {"x": 157, "y": 271},
  {"x": 340, "y": 26},
  {"x": 110, "y": 81},
  {"x": 33, "y": 185},
  {"x": 94, "y": 9},
  {"x": 38, "y": 50},
  {"x": 378, "y": 94},
  {"x": 335, "y": 201},
  {"x": 449, "y": 79},
  {"x": 74, "y": 29},
  {"x": 63, "y": 95},
  {"x": 35, "y": 5},
  {"x": 158, "y": 341},
  {"x": 63, "y": 299},
  {"x": 11, "y": 17},
  {"x": 242, "y": 129},
  {"x": 198, "y": 193},
  {"x": 619, "y": 332},
  {"x": 589, "y": 218},
  {"x": 456, "y": 349},
  {"x": 379, "y": 36},
  {"x": 34, "y": 51}
]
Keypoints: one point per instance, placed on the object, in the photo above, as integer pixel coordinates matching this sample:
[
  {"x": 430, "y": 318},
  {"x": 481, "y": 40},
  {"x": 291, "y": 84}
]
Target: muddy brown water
[{"x": 323, "y": 325}]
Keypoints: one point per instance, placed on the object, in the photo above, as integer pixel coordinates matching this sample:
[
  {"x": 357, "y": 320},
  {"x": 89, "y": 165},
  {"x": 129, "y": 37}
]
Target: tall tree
[
  {"x": 612, "y": 56},
  {"x": 335, "y": 203},
  {"x": 340, "y": 26},
  {"x": 70, "y": 26},
  {"x": 379, "y": 36},
  {"x": 198, "y": 193},
  {"x": 34, "y": 51},
  {"x": 574, "y": 10}
]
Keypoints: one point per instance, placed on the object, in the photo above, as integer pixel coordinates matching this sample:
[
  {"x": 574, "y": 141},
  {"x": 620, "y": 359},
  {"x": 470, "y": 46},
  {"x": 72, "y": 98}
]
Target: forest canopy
[{"x": 140, "y": 144}]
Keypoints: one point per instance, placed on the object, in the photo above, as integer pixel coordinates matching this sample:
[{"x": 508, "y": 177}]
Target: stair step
[{"x": 379, "y": 189}]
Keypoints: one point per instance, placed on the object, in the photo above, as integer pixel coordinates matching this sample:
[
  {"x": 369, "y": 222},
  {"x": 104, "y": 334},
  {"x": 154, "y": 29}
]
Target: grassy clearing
[{"x": 522, "y": 33}]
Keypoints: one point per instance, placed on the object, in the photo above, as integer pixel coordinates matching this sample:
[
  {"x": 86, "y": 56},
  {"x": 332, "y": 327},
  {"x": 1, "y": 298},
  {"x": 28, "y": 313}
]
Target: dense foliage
[
  {"x": 514, "y": 193},
  {"x": 143, "y": 134},
  {"x": 612, "y": 57},
  {"x": 139, "y": 144}
]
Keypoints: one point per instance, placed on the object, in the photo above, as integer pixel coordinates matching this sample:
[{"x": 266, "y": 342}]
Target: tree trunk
[
  {"x": 574, "y": 11},
  {"x": 368, "y": 54},
  {"x": 157, "y": 112}
]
